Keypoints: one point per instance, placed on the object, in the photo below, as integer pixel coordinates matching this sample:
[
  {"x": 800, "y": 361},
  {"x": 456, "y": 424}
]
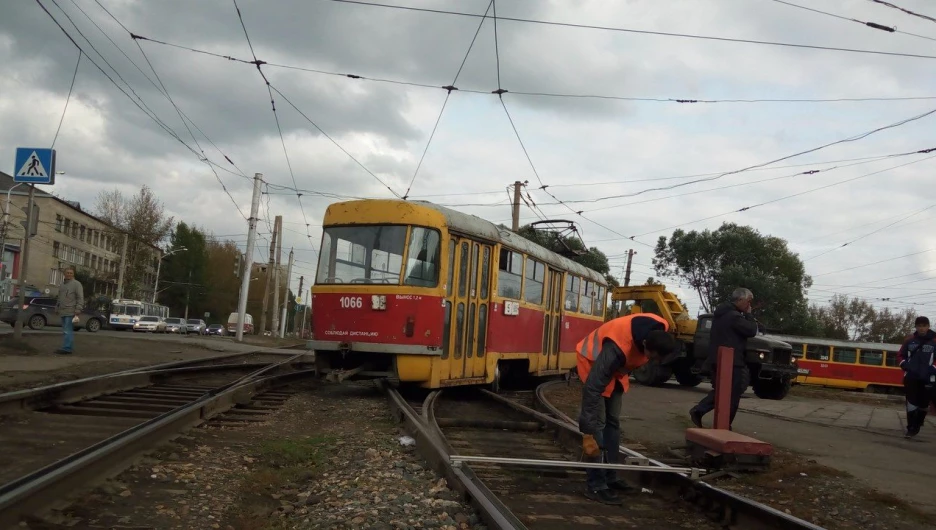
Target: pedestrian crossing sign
[{"x": 34, "y": 165}]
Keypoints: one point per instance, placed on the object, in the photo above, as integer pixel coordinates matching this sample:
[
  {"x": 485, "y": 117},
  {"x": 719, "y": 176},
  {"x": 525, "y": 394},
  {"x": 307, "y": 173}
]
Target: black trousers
[
  {"x": 740, "y": 379},
  {"x": 919, "y": 396}
]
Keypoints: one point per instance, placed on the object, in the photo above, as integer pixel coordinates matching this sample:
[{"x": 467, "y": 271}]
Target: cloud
[{"x": 578, "y": 145}]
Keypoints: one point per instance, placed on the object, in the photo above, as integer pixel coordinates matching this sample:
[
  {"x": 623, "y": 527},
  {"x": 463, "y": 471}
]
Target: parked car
[
  {"x": 39, "y": 312},
  {"x": 197, "y": 326},
  {"x": 175, "y": 325},
  {"x": 217, "y": 329},
  {"x": 150, "y": 324}
]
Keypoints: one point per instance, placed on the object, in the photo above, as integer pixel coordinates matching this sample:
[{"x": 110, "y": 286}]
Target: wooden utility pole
[
  {"x": 123, "y": 266},
  {"x": 286, "y": 300},
  {"x": 627, "y": 272},
  {"x": 298, "y": 316},
  {"x": 266, "y": 290},
  {"x": 278, "y": 226},
  {"x": 516, "y": 206}
]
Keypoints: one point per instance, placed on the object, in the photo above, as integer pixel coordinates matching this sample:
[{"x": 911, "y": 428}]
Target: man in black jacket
[
  {"x": 917, "y": 358},
  {"x": 732, "y": 326}
]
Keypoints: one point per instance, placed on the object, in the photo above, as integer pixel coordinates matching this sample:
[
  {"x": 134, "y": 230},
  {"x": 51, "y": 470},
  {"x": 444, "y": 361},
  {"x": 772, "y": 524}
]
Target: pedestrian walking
[
  {"x": 606, "y": 358},
  {"x": 732, "y": 326},
  {"x": 917, "y": 358},
  {"x": 69, "y": 303}
]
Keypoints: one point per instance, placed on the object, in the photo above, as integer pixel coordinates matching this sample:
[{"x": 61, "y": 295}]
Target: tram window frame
[
  {"x": 509, "y": 270},
  {"x": 571, "y": 292},
  {"x": 601, "y": 302},
  {"x": 343, "y": 256},
  {"x": 818, "y": 352},
  {"x": 586, "y": 300},
  {"x": 534, "y": 281},
  {"x": 878, "y": 354},
  {"x": 423, "y": 273},
  {"x": 797, "y": 350},
  {"x": 890, "y": 359},
  {"x": 485, "y": 271},
  {"x": 450, "y": 283},
  {"x": 840, "y": 353}
]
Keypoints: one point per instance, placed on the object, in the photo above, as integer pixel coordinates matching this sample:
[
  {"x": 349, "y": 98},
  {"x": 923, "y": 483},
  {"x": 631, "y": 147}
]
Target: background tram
[
  {"x": 427, "y": 295},
  {"x": 869, "y": 366}
]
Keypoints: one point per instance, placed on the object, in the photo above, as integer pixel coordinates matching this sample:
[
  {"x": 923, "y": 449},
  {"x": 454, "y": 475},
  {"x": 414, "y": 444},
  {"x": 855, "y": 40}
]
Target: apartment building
[{"x": 67, "y": 235}]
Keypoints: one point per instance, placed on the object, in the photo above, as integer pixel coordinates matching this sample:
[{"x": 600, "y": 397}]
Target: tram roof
[{"x": 793, "y": 339}]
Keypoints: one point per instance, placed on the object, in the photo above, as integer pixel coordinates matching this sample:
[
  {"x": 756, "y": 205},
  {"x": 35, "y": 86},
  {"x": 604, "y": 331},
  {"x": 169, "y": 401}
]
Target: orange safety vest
[{"x": 619, "y": 331}]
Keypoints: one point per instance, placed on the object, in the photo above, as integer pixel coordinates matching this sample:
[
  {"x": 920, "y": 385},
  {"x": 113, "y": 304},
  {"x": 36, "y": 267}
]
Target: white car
[{"x": 150, "y": 324}]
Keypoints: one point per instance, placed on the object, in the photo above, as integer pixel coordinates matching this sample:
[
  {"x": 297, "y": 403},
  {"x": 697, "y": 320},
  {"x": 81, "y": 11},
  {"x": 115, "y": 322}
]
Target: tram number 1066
[{"x": 351, "y": 302}]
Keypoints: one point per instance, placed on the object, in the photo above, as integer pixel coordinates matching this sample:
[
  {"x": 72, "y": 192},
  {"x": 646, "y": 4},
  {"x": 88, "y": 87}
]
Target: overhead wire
[
  {"x": 907, "y": 11},
  {"x": 873, "y": 25},
  {"x": 643, "y": 32},
  {"x": 448, "y": 94},
  {"x": 859, "y": 238},
  {"x": 67, "y": 99}
]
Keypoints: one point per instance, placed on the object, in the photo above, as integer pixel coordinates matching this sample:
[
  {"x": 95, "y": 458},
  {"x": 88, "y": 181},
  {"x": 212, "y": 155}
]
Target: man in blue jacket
[
  {"x": 917, "y": 358},
  {"x": 732, "y": 326}
]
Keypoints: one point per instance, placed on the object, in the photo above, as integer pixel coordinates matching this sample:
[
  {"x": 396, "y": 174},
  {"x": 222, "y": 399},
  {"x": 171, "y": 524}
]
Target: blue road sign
[{"x": 34, "y": 165}]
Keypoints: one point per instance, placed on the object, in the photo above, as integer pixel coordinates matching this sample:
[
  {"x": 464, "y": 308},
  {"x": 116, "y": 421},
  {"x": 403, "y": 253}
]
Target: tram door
[
  {"x": 552, "y": 319},
  {"x": 470, "y": 307}
]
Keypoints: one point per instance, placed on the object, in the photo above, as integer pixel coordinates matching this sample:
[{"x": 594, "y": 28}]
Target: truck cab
[{"x": 770, "y": 361}]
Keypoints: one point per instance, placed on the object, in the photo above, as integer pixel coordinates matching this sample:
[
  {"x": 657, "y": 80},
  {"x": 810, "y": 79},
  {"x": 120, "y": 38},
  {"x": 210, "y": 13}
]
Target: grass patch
[{"x": 294, "y": 451}]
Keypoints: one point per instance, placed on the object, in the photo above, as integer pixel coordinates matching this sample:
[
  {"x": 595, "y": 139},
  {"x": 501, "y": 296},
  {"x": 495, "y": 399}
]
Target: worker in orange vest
[{"x": 606, "y": 358}]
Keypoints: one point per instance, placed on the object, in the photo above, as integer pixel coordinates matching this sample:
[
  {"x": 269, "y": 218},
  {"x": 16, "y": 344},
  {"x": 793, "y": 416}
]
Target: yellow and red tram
[
  {"x": 423, "y": 294},
  {"x": 869, "y": 366}
]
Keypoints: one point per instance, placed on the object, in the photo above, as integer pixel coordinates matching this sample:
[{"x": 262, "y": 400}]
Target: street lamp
[{"x": 159, "y": 266}]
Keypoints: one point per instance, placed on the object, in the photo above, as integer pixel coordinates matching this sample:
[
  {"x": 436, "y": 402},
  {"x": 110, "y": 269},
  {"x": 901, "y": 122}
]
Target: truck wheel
[
  {"x": 685, "y": 377},
  {"x": 772, "y": 388},
  {"x": 653, "y": 374}
]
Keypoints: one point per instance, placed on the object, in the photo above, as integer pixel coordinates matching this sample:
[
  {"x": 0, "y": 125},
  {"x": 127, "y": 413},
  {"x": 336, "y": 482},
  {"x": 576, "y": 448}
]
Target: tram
[
  {"x": 422, "y": 294},
  {"x": 868, "y": 366}
]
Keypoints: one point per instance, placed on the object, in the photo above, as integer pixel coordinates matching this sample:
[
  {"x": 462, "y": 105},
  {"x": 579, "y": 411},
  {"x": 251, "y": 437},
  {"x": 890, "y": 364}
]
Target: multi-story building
[{"x": 67, "y": 236}]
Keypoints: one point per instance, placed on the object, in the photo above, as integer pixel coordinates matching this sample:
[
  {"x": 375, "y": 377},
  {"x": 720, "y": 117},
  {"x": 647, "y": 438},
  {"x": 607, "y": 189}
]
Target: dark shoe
[
  {"x": 620, "y": 485},
  {"x": 602, "y": 496},
  {"x": 695, "y": 417},
  {"x": 62, "y": 352}
]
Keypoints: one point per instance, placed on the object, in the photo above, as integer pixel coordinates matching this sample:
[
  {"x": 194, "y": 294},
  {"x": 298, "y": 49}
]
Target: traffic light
[{"x": 238, "y": 258}]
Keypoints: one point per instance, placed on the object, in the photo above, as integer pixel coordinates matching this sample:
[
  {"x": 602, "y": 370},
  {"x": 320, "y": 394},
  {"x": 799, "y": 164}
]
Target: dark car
[
  {"x": 217, "y": 329},
  {"x": 39, "y": 312}
]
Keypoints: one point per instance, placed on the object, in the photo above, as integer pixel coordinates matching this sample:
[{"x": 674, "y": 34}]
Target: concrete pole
[
  {"x": 248, "y": 257},
  {"x": 286, "y": 300},
  {"x": 269, "y": 274},
  {"x": 627, "y": 272},
  {"x": 276, "y": 274},
  {"x": 24, "y": 266},
  {"x": 516, "y": 206}
]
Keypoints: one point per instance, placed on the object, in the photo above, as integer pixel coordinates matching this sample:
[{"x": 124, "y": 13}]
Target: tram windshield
[{"x": 373, "y": 254}]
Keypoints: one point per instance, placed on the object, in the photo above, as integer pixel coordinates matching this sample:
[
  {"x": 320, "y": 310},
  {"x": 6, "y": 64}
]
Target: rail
[{"x": 34, "y": 491}]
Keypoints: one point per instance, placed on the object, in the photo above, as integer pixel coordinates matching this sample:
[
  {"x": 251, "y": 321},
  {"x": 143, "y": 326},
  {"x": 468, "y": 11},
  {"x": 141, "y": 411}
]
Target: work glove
[{"x": 590, "y": 446}]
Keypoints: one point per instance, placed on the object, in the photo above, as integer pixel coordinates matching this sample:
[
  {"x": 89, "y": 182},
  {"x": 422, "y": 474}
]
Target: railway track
[
  {"x": 478, "y": 427},
  {"x": 65, "y": 437}
]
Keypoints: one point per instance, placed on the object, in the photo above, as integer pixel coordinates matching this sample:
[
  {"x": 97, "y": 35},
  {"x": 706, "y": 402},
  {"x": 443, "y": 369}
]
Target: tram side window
[
  {"x": 871, "y": 357},
  {"x": 815, "y": 352},
  {"x": 572, "y": 292},
  {"x": 424, "y": 258},
  {"x": 588, "y": 292},
  {"x": 845, "y": 355},
  {"x": 797, "y": 350},
  {"x": 600, "y": 302},
  {"x": 509, "y": 274},
  {"x": 535, "y": 277},
  {"x": 890, "y": 358}
]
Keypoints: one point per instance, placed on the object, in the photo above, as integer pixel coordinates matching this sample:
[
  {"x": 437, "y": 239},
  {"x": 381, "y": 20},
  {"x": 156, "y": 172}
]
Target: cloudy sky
[{"x": 608, "y": 158}]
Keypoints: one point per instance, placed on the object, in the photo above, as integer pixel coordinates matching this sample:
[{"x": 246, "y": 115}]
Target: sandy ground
[
  {"x": 894, "y": 469},
  {"x": 31, "y": 362}
]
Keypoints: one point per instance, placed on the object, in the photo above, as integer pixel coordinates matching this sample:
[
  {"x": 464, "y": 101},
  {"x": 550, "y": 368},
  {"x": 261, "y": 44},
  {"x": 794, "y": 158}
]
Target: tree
[
  {"x": 183, "y": 272},
  {"x": 142, "y": 217},
  {"x": 857, "y": 319},
  {"x": 714, "y": 263},
  {"x": 592, "y": 257}
]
